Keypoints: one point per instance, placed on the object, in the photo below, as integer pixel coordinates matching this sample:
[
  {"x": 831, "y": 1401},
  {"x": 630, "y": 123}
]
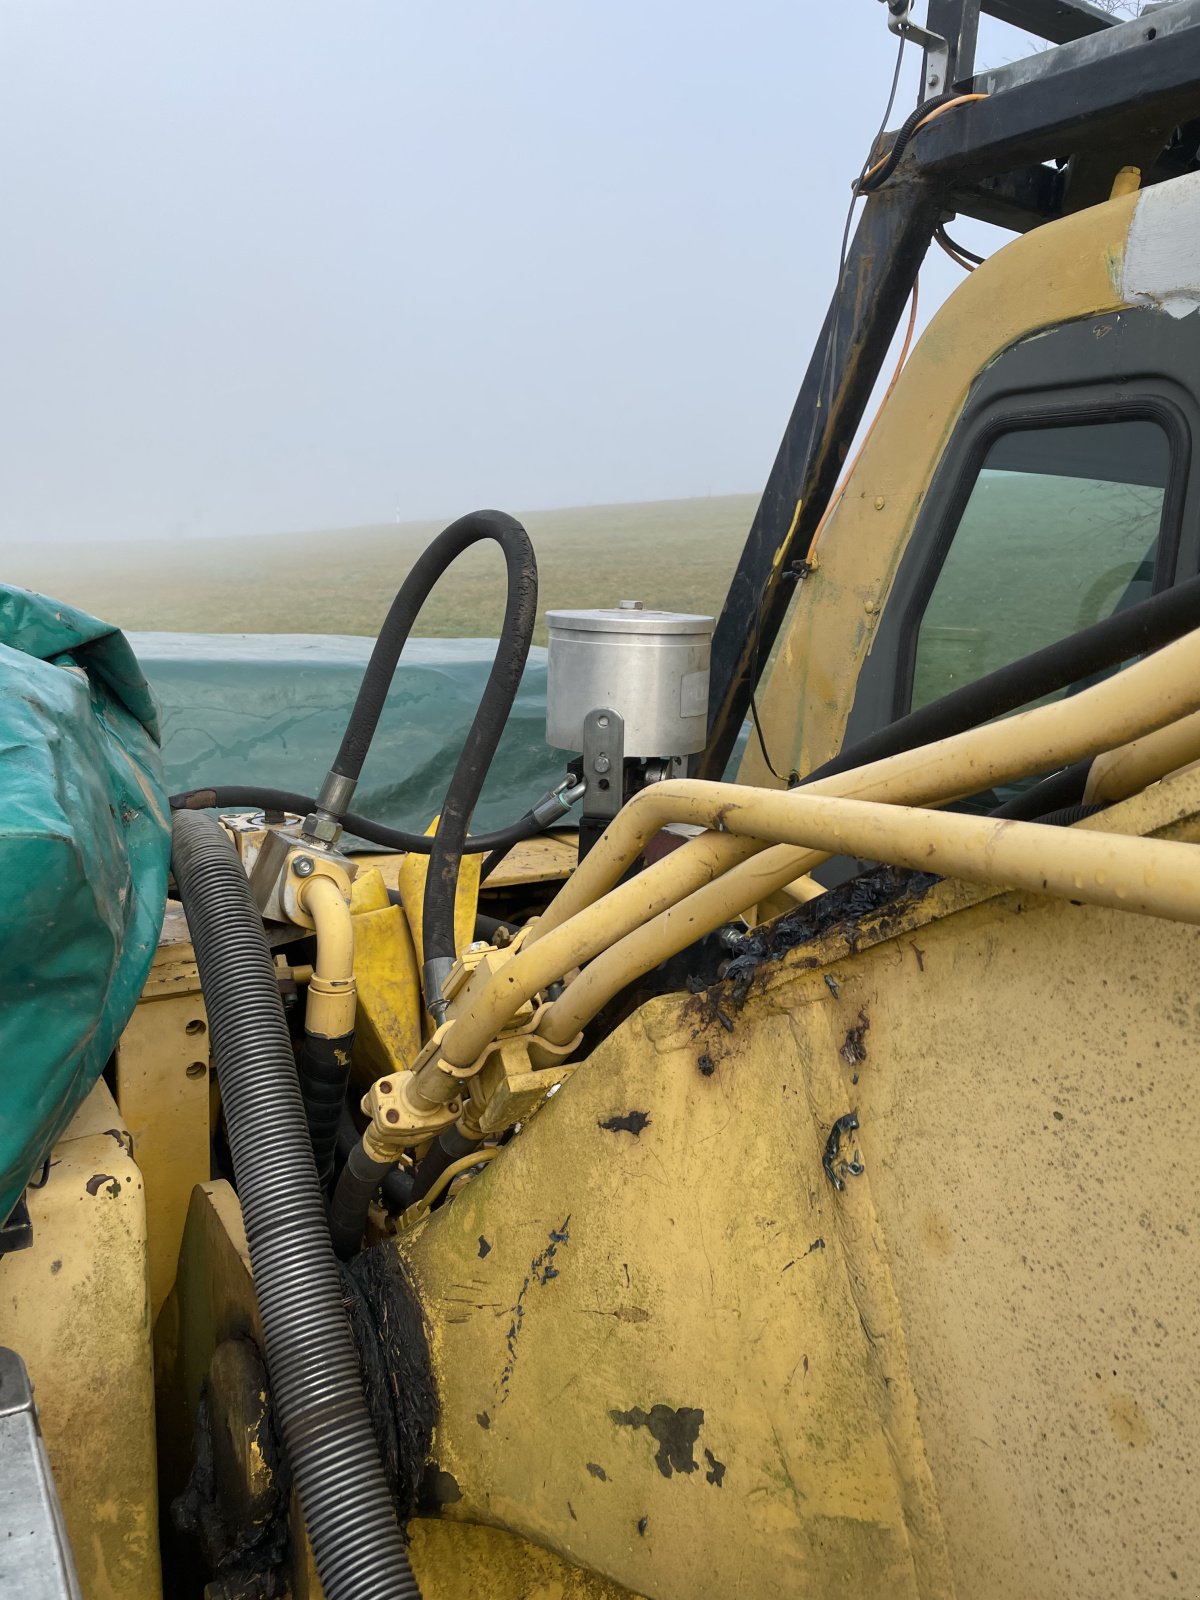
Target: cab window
[{"x": 1061, "y": 527}]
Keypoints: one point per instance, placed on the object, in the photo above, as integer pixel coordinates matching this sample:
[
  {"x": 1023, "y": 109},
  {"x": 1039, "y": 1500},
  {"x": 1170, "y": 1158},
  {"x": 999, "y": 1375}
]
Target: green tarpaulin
[{"x": 85, "y": 845}]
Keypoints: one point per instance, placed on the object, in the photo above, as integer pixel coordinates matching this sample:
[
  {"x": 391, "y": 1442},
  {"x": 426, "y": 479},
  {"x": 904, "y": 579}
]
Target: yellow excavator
[{"x": 775, "y": 1188}]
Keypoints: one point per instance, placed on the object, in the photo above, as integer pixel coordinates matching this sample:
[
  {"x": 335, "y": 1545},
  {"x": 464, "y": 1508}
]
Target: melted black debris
[{"x": 849, "y": 903}]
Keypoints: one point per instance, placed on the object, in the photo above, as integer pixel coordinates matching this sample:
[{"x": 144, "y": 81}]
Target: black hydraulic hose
[
  {"x": 324, "y": 1074},
  {"x": 362, "y": 1176},
  {"x": 352, "y": 1195},
  {"x": 397, "y": 1185},
  {"x": 1126, "y": 634},
  {"x": 231, "y": 797},
  {"x": 315, "y": 1384},
  {"x": 475, "y": 757},
  {"x": 1052, "y": 794},
  {"x": 450, "y": 1146}
]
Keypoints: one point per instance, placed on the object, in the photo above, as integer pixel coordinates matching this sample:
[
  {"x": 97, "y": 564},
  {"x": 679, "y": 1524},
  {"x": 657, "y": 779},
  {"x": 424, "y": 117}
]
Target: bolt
[
  {"x": 629, "y": 605},
  {"x": 304, "y": 866},
  {"x": 933, "y": 80},
  {"x": 870, "y": 607},
  {"x": 602, "y": 763},
  {"x": 879, "y": 502},
  {"x": 386, "y": 1086},
  {"x": 391, "y": 1116},
  {"x": 477, "y": 945}
]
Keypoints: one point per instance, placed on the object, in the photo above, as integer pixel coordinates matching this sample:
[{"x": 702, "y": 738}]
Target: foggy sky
[{"x": 279, "y": 264}]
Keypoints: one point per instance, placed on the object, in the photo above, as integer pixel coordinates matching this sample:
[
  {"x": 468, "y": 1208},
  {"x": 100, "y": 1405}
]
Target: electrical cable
[
  {"x": 877, "y": 174},
  {"x": 826, "y": 373},
  {"x": 875, "y": 177},
  {"x": 959, "y": 254}
]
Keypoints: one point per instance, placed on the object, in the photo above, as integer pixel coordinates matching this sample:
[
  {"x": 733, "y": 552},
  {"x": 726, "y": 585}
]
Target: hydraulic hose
[
  {"x": 232, "y": 797},
  {"x": 1148, "y": 626},
  {"x": 328, "y": 1020},
  {"x": 315, "y": 1384},
  {"x": 397, "y": 1186},
  {"x": 475, "y": 757}
]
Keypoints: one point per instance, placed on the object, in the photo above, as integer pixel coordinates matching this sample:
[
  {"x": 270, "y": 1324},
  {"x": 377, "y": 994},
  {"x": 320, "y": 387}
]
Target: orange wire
[
  {"x": 887, "y": 395},
  {"x": 948, "y": 105},
  {"x": 960, "y": 261}
]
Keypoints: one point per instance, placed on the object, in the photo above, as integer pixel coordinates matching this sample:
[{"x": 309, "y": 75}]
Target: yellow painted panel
[
  {"x": 1066, "y": 270},
  {"x": 75, "y": 1307},
  {"x": 387, "y": 1036},
  {"x": 162, "y": 1084}
]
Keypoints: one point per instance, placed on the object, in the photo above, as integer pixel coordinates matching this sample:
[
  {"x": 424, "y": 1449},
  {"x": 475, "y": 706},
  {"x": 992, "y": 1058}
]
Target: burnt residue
[
  {"x": 675, "y": 1428},
  {"x": 105, "y": 1181},
  {"x": 633, "y": 1122},
  {"x": 706, "y": 1065},
  {"x": 483, "y": 1420},
  {"x": 839, "y": 1163},
  {"x": 716, "y": 1469},
  {"x": 881, "y": 893},
  {"x": 854, "y": 1048},
  {"x": 597, "y": 1471},
  {"x": 643, "y": 1524},
  {"x": 125, "y": 1140},
  {"x": 541, "y": 1272},
  {"x": 393, "y": 1354},
  {"x": 439, "y": 1488},
  {"x": 244, "y": 1545},
  {"x": 485, "y": 1248}
]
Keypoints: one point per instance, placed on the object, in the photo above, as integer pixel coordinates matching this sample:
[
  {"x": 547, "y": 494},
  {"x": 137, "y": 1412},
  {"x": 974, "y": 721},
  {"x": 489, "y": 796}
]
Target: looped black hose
[
  {"x": 232, "y": 797},
  {"x": 316, "y": 1387},
  {"x": 904, "y": 133},
  {"x": 475, "y": 757}
]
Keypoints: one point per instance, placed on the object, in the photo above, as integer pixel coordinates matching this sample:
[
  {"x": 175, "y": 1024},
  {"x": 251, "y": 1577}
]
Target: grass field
[{"x": 674, "y": 554}]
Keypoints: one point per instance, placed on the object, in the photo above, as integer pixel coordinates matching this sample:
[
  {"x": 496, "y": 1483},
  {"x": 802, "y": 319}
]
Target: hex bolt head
[{"x": 303, "y": 866}]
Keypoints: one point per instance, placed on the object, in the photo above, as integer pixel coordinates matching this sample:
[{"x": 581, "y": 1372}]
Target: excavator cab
[{"x": 792, "y": 1190}]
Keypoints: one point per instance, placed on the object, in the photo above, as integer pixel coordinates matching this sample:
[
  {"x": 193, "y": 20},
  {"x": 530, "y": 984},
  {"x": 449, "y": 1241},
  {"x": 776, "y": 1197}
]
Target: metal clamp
[
  {"x": 603, "y": 763},
  {"x": 937, "y": 49}
]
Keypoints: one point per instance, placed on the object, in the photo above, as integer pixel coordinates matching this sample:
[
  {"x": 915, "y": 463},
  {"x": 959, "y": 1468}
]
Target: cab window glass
[{"x": 1061, "y": 529}]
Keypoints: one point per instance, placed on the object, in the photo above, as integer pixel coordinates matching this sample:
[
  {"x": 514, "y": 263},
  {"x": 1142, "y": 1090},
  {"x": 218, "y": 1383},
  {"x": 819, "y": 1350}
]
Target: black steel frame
[{"x": 1029, "y": 153}]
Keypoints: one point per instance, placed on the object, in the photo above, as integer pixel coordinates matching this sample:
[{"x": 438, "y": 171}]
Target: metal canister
[{"x": 651, "y": 667}]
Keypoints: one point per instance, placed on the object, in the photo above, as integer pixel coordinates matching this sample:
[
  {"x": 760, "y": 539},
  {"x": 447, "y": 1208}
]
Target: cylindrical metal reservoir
[{"x": 651, "y": 667}]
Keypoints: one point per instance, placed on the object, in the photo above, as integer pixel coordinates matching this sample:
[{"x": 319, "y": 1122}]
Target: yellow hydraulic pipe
[
  {"x": 1119, "y": 773},
  {"x": 1152, "y": 876},
  {"x": 329, "y": 1012},
  {"x": 1145, "y": 696}
]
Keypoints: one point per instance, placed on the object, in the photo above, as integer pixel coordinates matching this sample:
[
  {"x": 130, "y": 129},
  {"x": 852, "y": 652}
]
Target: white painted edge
[{"x": 1162, "y": 252}]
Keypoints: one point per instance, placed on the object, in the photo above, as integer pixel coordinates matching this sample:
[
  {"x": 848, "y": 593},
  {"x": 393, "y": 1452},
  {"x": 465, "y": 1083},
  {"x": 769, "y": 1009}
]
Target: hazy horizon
[{"x": 291, "y": 267}]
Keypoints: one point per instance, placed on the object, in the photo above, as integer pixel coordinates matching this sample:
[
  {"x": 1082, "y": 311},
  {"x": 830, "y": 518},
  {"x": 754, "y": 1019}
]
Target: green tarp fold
[{"x": 85, "y": 843}]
